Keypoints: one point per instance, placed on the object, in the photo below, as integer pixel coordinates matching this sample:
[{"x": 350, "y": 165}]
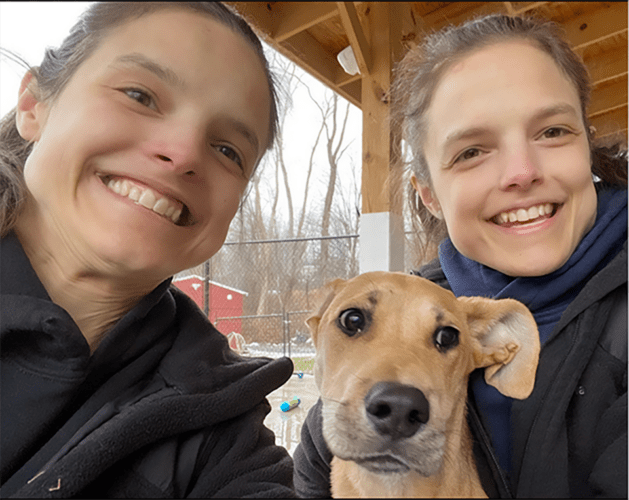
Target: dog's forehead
[{"x": 380, "y": 287}]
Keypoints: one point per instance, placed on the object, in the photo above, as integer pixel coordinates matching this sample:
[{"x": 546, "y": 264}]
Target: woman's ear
[
  {"x": 428, "y": 198},
  {"x": 30, "y": 112}
]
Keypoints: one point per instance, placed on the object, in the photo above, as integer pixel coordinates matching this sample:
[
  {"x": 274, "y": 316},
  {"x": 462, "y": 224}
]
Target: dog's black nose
[{"x": 396, "y": 410}]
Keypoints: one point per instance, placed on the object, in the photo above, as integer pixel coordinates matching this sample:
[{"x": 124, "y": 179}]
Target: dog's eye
[
  {"x": 446, "y": 337},
  {"x": 352, "y": 321}
]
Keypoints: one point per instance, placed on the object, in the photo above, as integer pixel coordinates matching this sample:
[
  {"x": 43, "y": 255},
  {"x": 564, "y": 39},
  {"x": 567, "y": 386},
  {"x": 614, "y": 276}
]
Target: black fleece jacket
[
  {"x": 570, "y": 435},
  {"x": 163, "y": 408}
]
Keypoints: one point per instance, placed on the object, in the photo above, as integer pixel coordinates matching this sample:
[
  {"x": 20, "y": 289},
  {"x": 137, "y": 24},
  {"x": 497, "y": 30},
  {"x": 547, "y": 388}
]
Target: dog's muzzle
[{"x": 396, "y": 410}]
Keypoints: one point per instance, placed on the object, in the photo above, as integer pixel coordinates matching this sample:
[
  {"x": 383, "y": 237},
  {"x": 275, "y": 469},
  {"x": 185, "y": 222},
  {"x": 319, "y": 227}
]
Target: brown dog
[{"x": 394, "y": 353}]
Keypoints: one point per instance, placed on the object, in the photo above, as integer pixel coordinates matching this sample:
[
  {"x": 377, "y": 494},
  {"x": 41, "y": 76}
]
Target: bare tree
[
  {"x": 335, "y": 149},
  {"x": 276, "y": 274}
]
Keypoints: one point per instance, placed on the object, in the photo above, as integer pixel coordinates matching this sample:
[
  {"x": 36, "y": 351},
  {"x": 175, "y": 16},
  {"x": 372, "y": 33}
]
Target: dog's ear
[
  {"x": 507, "y": 343},
  {"x": 329, "y": 292}
]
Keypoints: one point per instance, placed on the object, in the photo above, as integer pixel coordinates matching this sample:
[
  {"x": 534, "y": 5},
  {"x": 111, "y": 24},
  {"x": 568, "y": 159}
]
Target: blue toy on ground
[{"x": 289, "y": 405}]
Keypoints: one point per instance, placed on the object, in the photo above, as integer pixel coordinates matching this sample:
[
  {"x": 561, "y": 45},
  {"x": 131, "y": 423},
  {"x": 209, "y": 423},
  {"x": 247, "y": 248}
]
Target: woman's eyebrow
[
  {"x": 556, "y": 109},
  {"x": 466, "y": 133},
  {"x": 246, "y": 132},
  {"x": 162, "y": 72},
  {"x": 541, "y": 114}
]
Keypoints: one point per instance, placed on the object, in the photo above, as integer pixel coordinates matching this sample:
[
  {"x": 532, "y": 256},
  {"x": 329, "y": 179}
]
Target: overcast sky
[{"x": 27, "y": 28}]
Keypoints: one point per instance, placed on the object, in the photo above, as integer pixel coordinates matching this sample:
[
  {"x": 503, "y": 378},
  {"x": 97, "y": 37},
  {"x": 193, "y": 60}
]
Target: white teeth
[
  {"x": 161, "y": 206},
  {"x": 533, "y": 213},
  {"x": 146, "y": 197},
  {"x": 134, "y": 193},
  {"x": 124, "y": 188},
  {"x": 524, "y": 215},
  {"x": 176, "y": 214}
]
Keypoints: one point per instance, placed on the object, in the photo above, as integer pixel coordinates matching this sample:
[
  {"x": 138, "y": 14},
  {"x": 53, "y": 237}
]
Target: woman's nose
[
  {"x": 180, "y": 151},
  {"x": 522, "y": 170},
  {"x": 177, "y": 166}
]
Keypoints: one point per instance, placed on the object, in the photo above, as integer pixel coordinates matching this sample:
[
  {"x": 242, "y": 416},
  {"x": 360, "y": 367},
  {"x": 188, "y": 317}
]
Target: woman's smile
[
  {"x": 521, "y": 216},
  {"x": 150, "y": 198},
  {"x": 530, "y": 226}
]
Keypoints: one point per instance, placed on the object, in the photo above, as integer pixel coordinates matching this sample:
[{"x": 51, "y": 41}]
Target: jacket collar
[
  {"x": 17, "y": 276},
  {"x": 34, "y": 311}
]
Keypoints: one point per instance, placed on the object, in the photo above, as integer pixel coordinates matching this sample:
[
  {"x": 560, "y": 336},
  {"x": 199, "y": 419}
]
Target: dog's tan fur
[{"x": 397, "y": 345}]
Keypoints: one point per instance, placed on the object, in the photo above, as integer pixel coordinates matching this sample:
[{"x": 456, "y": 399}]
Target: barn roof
[{"x": 200, "y": 278}]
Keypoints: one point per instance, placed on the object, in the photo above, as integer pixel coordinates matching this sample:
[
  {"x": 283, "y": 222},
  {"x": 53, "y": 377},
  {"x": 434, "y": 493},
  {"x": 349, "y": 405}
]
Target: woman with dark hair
[
  {"x": 508, "y": 180},
  {"x": 123, "y": 163}
]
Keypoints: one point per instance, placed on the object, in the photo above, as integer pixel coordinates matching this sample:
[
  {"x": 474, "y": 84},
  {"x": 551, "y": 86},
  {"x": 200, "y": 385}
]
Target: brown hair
[
  {"x": 59, "y": 64},
  {"x": 420, "y": 71}
]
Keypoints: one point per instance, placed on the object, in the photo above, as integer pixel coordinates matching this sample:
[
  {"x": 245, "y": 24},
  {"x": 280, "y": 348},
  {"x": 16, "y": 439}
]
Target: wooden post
[{"x": 381, "y": 224}]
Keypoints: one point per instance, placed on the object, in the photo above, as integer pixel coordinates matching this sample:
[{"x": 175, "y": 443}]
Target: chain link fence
[{"x": 265, "y": 290}]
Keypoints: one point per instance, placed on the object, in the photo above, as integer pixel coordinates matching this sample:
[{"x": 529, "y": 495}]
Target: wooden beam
[
  {"x": 455, "y": 13},
  {"x": 379, "y": 134},
  {"x": 348, "y": 79},
  {"x": 259, "y": 15},
  {"x": 296, "y": 17},
  {"x": 408, "y": 26},
  {"x": 600, "y": 40},
  {"x": 616, "y": 134},
  {"x": 605, "y": 22},
  {"x": 355, "y": 35},
  {"x": 528, "y": 8},
  {"x": 607, "y": 66},
  {"x": 300, "y": 48},
  {"x": 307, "y": 53},
  {"x": 611, "y": 122},
  {"x": 353, "y": 89},
  {"x": 381, "y": 221},
  {"x": 608, "y": 97}
]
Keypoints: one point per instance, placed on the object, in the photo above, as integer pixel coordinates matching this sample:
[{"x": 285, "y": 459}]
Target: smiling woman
[
  {"x": 509, "y": 180},
  {"x": 123, "y": 164}
]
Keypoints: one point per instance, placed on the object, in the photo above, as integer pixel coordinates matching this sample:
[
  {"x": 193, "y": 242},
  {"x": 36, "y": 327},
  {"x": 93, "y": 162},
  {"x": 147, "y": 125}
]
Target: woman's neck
[{"x": 94, "y": 299}]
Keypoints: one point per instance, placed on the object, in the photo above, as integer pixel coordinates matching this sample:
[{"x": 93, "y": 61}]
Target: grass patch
[{"x": 305, "y": 365}]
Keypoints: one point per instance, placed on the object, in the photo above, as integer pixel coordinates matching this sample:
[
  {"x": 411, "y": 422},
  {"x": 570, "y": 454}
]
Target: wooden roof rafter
[
  {"x": 356, "y": 35},
  {"x": 311, "y": 34}
]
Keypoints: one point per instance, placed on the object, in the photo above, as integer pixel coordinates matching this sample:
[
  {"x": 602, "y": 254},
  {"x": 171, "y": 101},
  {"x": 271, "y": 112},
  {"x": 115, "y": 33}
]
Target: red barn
[{"x": 223, "y": 301}]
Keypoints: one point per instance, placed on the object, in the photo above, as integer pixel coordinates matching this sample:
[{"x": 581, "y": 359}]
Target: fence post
[
  {"x": 287, "y": 330},
  {"x": 285, "y": 347},
  {"x": 206, "y": 288}
]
